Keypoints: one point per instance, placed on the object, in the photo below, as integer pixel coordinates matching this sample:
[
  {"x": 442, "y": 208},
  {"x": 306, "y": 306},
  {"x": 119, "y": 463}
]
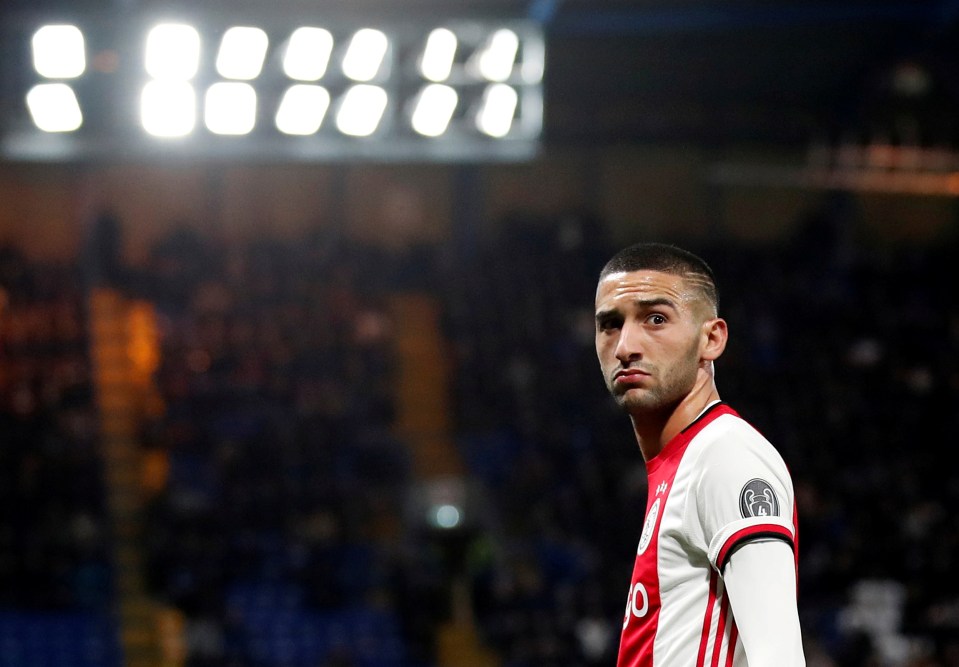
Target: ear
[{"x": 715, "y": 335}]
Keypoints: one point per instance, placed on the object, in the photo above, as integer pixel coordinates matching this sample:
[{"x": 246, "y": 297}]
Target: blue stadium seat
[
  {"x": 281, "y": 631},
  {"x": 42, "y": 639}
]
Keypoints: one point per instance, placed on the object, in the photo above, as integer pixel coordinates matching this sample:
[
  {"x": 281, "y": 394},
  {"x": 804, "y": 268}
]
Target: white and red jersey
[{"x": 716, "y": 485}]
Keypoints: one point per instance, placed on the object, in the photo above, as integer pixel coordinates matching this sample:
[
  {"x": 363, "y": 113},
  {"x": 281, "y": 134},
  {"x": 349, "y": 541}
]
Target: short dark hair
[{"x": 667, "y": 259}]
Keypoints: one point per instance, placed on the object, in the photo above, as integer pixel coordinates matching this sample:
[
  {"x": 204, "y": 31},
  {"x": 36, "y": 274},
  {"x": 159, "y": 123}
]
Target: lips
[{"x": 629, "y": 375}]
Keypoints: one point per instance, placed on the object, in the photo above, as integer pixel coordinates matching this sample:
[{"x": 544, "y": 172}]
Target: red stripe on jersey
[
  {"x": 733, "y": 637},
  {"x": 752, "y": 532},
  {"x": 720, "y": 631},
  {"x": 708, "y": 620}
]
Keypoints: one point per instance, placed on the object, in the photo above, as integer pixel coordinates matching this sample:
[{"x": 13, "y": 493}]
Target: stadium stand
[{"x": 55, "y": 560}]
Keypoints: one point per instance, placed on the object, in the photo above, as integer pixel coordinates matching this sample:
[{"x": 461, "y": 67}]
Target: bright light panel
[
  {"x": 495, "y": 60},
  {"x": 302, "y": 109},
  {"x": 361, "y": 110},
  {"x": 173, "y": 52},
  {"x": 439, "y": 54},
  {"x": 308, "y": 54},
  {"x": 58, "y": 52},
  {"x": 230, "y": 108},
  {"x": 54, "y": 107},
  {"x": 434, "y": 109},
  {"x": 469, "y": 83},
  {"x": 495, "y": 116},
  {"x": 168, "y": 108},
  {"x": 364, "y": 56},
  {"x": 241, "y": 53}
]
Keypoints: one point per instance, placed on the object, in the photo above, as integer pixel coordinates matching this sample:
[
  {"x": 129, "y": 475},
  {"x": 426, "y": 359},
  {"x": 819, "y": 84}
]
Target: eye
[
  {"x": 656, "y": 319},
  {"x": 609, "y": 323}
]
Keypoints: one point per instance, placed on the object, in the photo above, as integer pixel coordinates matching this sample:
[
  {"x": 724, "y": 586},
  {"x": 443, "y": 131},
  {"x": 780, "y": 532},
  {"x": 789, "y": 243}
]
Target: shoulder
[
  {"x": 730, "y": 439},
  {"x": 735, "y": 462},
  {"x": 741, "y": 487}
]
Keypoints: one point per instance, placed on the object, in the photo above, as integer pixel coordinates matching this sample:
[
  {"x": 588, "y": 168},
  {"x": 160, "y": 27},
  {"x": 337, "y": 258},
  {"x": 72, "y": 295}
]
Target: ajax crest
[{"x": 648, "y": 527}]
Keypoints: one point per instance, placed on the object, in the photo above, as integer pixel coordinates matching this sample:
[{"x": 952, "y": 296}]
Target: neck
[{"x": 655, "y": 428}]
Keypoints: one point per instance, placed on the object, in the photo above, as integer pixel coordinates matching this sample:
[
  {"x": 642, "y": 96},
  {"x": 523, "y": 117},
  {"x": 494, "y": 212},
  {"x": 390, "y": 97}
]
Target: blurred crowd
[
  {"x": 55, "y": 556},
  {"x": 278, "y": 529},
  {"x": 273, "y": 532}
]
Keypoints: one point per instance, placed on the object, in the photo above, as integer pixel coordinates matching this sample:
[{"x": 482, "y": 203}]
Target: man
[{"x": 715, "y": 577}]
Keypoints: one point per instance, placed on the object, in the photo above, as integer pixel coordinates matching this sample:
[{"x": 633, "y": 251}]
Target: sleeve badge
[{"x": 758, "y": 499}]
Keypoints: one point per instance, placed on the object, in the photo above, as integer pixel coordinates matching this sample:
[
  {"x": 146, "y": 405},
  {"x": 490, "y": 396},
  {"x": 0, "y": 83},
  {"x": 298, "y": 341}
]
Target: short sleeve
[{"x": 742, "y": 492}]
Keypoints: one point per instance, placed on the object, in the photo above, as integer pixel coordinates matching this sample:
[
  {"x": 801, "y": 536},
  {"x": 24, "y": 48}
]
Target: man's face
[{"x": 649, "y": 337}]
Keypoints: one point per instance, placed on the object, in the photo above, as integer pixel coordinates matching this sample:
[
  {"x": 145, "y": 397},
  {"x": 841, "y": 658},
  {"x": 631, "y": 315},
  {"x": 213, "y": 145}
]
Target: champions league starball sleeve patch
[{"x": 758, "y": 499}]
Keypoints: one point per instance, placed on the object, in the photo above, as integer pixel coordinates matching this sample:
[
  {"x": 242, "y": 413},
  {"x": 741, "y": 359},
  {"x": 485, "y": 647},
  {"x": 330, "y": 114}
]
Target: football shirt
[{"x": 714, "y": 486}]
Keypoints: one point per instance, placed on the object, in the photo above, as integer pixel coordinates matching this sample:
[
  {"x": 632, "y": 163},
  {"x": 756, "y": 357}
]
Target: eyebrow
[
  {"x": 605, "y": 314},
  {"x": 642, "y": 303},
  {"x": 659, "y": 301}
]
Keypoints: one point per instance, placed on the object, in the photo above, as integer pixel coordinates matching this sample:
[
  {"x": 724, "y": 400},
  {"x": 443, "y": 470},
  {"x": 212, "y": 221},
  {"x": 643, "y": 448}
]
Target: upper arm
[{"x": 760, "y": 579}]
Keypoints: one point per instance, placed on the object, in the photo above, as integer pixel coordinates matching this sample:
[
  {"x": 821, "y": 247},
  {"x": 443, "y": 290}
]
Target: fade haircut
[{"x": 667, "y": 259}]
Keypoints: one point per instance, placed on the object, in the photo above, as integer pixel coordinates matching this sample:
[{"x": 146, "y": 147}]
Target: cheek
[
  {"x": 602, "y": 347},
  {"x": 679, "y": 349},
  {"x": 606, "y": 353},
  {"x": 603, "y": 357}
]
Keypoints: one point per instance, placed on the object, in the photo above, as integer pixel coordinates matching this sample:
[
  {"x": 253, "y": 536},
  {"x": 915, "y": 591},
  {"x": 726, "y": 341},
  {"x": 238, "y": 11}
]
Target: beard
[{"x": 666, "y": 387}]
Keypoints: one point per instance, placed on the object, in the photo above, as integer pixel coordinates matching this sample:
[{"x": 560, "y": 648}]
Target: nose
[{"x": 629, "y": 345}]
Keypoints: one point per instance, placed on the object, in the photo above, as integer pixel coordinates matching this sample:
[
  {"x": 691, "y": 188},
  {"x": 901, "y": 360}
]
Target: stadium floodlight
[
  {"x": 302, "y": 109},
  {"x": 230, "y": 108},
  {"x": 54, "y": 107},
  {"x": 168, "y": 108},
  {"x": 308, "y": 54},
  {"x": 496, "y": 111},
  {"x": 433, "y": 109},
  {"x": 365, "y": 54},
  {"x": 329, "y": 88},
  {"x": 495, "y": 60},
  {"x": 241, "y": 53},
  {"x": 439, "y": 54},
  {"x": 361, "y": 110},
  {"x": 58, "y": 52},
  {"x": 173, "y": 51}
]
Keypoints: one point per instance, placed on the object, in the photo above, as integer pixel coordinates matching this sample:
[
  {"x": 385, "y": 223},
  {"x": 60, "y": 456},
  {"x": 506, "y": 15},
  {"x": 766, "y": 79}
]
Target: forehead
[{"x": 624, "y": 287}]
